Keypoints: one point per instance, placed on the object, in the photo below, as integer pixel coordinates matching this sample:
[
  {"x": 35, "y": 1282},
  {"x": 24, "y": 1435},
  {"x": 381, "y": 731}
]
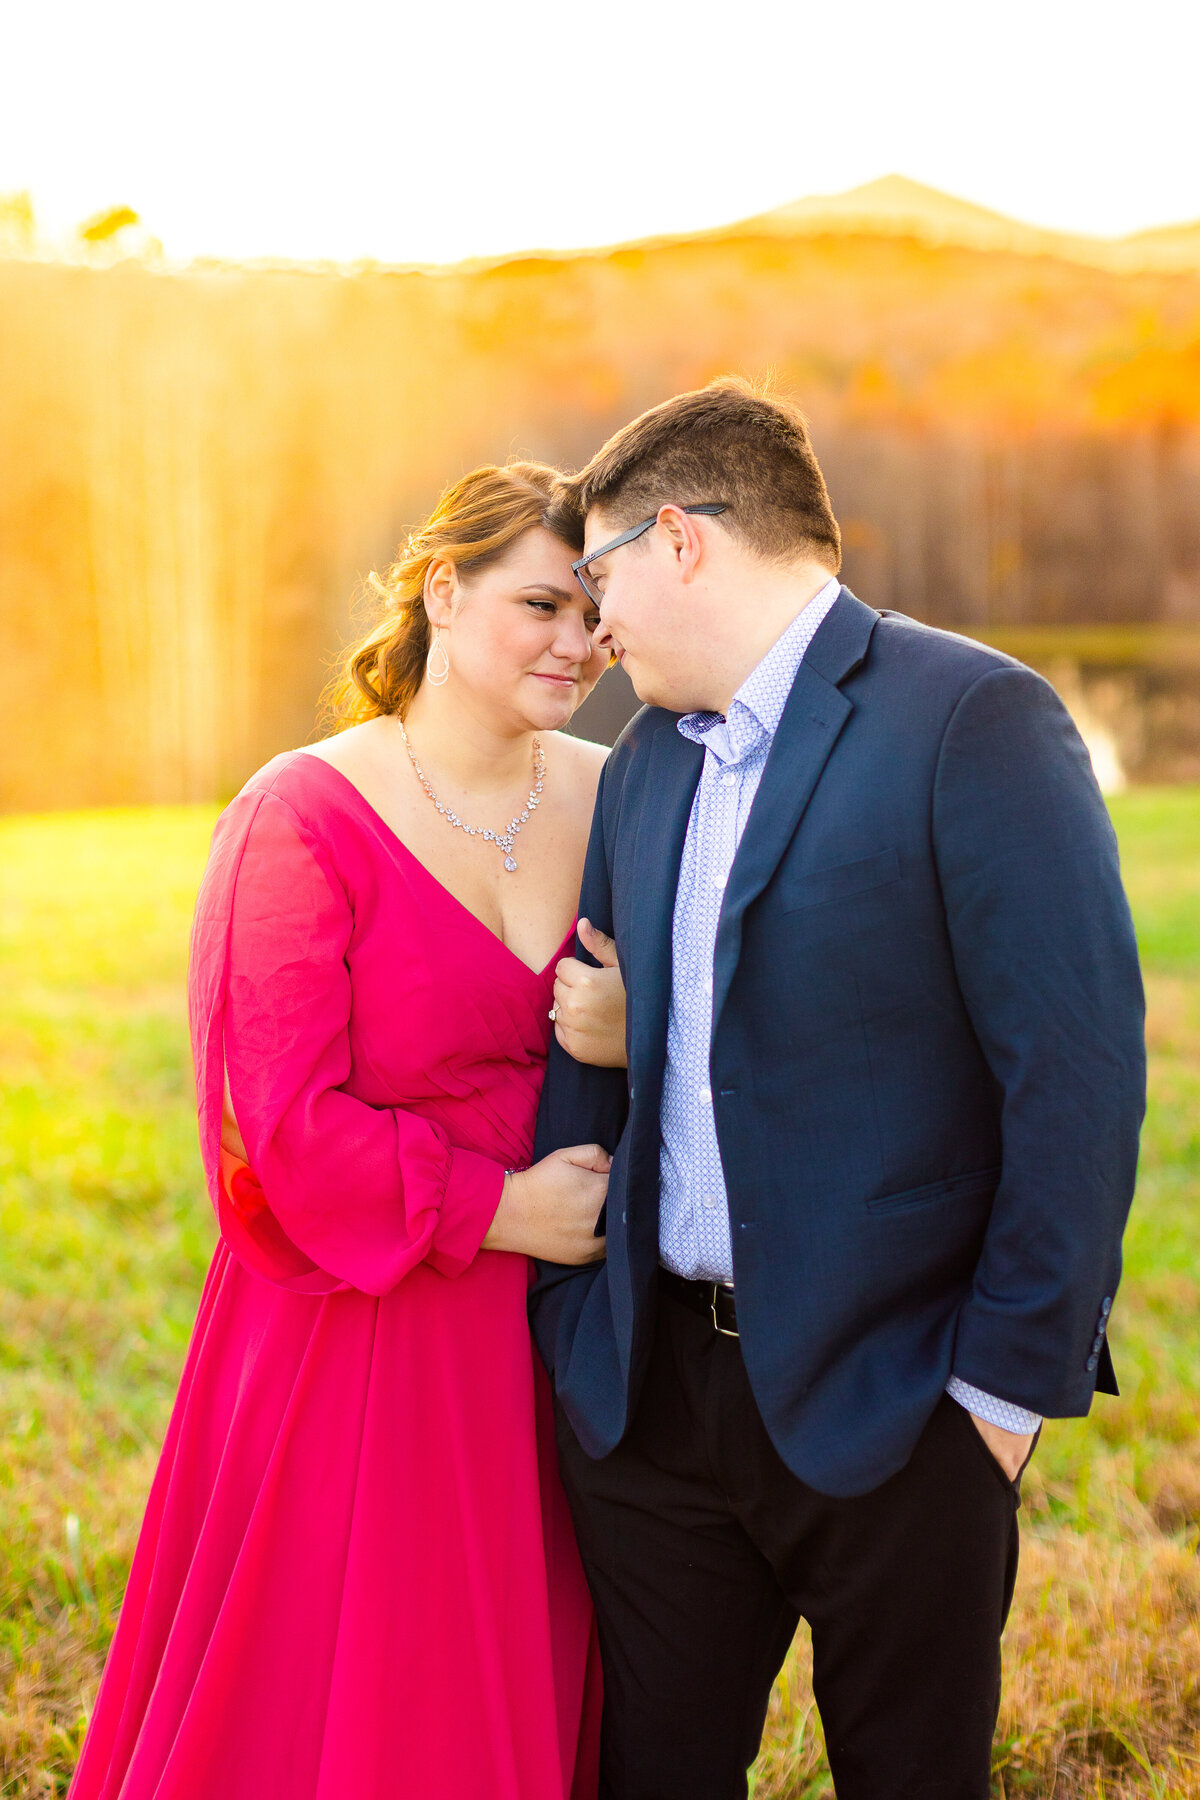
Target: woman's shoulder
[
  {"x": 273, "y": 839},
  {"x": 576, "y": 764},
  {"x": 298, "y": 778},
  {"x": 302, "y": 774},
  {"x": 326, "y": 794},
  {"x": 300, "y": 794}
]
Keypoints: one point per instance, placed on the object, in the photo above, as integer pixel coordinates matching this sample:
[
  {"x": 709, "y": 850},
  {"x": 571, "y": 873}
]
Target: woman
[{"x": 356, "y": 1576}]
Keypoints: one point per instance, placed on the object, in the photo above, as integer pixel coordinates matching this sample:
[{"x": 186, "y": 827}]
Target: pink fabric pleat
[{"x": 356, "y": 1578}]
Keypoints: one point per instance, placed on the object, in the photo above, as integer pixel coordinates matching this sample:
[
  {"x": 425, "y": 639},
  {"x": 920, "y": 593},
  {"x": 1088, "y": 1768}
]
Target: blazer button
[{"x": 1093, "y": 1362}]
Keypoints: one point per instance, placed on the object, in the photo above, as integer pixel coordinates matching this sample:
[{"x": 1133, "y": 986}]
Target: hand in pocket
[{"x": 1010, "y": 1448}]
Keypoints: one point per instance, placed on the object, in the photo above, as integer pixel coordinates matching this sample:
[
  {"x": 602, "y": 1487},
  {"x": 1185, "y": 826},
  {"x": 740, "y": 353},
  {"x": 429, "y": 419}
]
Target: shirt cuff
[
  {"x": 991, "y": 1409},
  {"x": 472, "y": 1195}
]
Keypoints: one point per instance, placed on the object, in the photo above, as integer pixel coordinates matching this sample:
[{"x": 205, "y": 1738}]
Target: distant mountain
[
  {"x": 1167, "y": 247},
  {"x": 901, "y": 208},
  {"x": 895, "y": 206}
]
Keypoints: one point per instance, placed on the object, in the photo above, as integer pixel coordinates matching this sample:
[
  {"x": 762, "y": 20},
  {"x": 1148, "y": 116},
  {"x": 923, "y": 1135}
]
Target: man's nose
[{"x": 602, "y": 637}]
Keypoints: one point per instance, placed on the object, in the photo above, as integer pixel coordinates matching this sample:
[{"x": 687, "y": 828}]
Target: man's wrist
[{"x": 1004, "y": 1413}]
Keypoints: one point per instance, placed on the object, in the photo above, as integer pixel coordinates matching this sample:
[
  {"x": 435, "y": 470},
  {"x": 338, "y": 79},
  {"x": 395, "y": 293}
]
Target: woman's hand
[
  {"x": 550, "y": 1211},
  {"x": 589, "y": 1004}
]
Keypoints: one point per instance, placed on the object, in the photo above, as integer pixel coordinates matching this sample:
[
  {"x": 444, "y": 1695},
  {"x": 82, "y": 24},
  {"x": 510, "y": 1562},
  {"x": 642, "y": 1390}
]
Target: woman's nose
[{"x": 571, "y": 641}]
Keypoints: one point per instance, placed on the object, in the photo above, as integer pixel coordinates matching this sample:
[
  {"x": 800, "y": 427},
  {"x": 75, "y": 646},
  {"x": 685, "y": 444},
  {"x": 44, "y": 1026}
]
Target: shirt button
[
  {"x": 706, "y": 1096},
  {"x": 708, "y": 987},
  {"x": 729, "y": 781},
  {"x": 710, "y": 1200}
]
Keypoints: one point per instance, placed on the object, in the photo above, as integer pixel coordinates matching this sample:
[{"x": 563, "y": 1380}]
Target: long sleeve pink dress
[{"x": 356, "y": 1579}]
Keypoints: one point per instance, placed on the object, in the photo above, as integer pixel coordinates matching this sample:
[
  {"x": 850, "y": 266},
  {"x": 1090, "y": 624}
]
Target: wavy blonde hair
[{"x": 473, "y": 525}]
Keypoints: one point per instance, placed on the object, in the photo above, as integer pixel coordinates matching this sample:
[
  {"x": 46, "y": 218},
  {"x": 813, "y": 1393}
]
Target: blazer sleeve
[
  {"x": 343, "y": 1194},
  {"x": 580, "y": 1104},
  {"x": 1047, "y": 963}
]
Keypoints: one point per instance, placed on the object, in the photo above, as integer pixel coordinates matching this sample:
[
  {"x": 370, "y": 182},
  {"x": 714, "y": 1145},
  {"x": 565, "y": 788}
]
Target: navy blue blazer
[{"x": 928, "y": 1066}]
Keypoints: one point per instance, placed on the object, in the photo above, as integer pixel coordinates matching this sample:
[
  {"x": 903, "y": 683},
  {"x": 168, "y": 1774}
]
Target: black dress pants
[{"x": 703, "y": 1551}]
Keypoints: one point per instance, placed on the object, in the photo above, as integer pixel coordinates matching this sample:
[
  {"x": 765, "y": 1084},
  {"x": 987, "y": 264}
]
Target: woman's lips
[{"x": 562, "y": 681}]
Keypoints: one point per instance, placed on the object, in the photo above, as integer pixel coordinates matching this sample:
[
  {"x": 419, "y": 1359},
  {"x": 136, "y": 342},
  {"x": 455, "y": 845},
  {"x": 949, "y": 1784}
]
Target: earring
[{"x": 437, "y": 663}]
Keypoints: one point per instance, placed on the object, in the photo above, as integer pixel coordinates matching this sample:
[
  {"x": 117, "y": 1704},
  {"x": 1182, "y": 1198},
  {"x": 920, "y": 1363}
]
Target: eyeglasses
[{"x": 579, "y": 569}]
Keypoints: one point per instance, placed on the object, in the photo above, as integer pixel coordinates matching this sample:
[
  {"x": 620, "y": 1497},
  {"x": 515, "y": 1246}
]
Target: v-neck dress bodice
[{"x": 356, "y": 1576}]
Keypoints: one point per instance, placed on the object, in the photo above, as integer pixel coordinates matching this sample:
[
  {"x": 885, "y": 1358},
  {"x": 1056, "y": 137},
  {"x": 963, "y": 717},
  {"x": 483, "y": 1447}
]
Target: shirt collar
[{"x": 757, "y": 707}]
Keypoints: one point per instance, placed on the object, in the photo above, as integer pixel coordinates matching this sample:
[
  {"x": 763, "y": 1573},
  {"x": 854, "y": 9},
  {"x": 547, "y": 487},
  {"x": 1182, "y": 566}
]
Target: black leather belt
[{"x": 713, "y": 1300}]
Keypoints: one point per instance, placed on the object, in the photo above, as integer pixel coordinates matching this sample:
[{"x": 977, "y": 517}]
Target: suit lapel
[
  {"x": 668, "y": 787},
  {"x": 812, "y": 721}
]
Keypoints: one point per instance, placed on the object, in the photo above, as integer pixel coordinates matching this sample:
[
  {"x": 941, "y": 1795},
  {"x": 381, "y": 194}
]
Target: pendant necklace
[{"x": 503, "y": 840}]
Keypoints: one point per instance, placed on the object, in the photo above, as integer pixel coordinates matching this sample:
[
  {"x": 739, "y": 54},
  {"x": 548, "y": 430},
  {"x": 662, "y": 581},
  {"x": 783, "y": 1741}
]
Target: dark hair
[
  {"x": 474, "y": 523},
  {"x": 729, "y": 441}
]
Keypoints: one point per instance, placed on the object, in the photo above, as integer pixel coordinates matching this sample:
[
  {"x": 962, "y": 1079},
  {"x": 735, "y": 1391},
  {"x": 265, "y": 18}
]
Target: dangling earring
[{"x": 437, "y": 663}]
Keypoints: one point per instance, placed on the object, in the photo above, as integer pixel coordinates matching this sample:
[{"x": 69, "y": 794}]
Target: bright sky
[{"x": 381, "y": 128}]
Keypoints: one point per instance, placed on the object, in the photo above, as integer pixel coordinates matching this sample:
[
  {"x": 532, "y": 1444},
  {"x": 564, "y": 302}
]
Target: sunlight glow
[{"x": 432, "y": 133}]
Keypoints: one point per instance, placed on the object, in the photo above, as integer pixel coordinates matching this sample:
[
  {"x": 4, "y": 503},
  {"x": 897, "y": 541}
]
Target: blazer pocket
[
  {"x": 817, "y": 886},
  {"x": 958, "y": 1187}
]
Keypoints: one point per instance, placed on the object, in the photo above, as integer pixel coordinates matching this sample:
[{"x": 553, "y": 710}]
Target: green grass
[{"x": 105, "y": 1233}]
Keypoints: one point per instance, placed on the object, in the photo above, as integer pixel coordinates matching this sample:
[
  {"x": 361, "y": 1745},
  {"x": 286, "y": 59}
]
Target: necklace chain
[{"x": 503, "y": 840}]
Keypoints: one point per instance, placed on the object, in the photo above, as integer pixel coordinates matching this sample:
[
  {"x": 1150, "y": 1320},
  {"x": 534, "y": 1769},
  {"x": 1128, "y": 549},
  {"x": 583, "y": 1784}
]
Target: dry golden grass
[{"x": 1102, "y": 1672}]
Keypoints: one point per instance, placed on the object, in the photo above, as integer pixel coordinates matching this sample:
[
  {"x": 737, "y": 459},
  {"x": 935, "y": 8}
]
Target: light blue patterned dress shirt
[{"x": 694, "y": 1236}]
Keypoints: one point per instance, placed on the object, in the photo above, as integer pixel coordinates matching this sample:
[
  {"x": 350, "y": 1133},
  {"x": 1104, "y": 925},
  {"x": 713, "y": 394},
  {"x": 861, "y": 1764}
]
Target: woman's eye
[
  {"x": 593, "y": 622},
  {"x": 543, "y": 606}
]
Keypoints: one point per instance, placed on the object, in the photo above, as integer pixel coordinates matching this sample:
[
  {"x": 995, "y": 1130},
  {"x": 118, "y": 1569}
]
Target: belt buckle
[{"x": 717, "y": 1288}]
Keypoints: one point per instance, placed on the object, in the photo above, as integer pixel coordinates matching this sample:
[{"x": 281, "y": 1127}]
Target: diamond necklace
[{"x": 503, "y": 840}]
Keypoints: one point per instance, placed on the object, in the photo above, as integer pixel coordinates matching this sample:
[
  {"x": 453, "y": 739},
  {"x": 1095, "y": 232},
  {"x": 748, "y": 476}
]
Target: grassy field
[{"x": 105, "y": 1235}]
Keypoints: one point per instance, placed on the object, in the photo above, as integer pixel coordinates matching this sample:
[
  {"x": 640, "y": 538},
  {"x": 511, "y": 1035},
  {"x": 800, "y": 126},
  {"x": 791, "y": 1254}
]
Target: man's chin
[
  {"x": 652, "y": 692},
  {"x": 641, "y": 680}
]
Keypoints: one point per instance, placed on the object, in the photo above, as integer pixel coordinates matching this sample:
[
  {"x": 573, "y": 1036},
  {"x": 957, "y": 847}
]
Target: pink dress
[{"x": 356, "y": 1578}]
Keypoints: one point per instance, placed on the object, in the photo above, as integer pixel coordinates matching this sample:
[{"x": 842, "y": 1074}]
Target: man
[{"x": 876, "y": 1146}]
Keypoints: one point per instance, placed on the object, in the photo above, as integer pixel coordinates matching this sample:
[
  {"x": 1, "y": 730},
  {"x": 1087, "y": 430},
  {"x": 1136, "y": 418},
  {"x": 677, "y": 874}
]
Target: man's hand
[
  {"x": 1010, "y": 1448},
  {"x": 589, "y": 1004}
]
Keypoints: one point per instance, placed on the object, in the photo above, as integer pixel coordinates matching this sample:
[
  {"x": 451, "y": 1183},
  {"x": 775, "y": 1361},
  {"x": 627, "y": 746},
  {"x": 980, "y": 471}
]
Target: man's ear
[
  {"x": 683, "y": 539},
  {"x": 441, "y": 590}
]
